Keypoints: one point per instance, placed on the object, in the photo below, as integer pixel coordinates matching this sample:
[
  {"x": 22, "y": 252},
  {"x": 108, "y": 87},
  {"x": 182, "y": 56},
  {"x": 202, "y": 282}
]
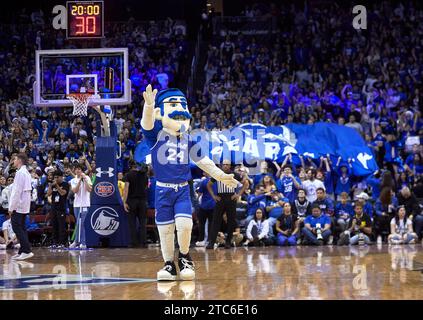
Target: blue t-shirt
[
  {"x": 287, "y": 187},
  {"x": 255, "y": 202},
  {"x": 375, "y": 184},
  {"x": 322, "y": 219},
  {"x": 388, "y": 151},
  {"x": 326, "y": 205},
  {"x": 170, "y": 155},
  {"x": 343, "y": 184},
  {"x": 328, "y": 182},
  {"x": 341, "y": 209},
  {"x": 277, "y": 211},
  {"x": 207, "y": 202}
]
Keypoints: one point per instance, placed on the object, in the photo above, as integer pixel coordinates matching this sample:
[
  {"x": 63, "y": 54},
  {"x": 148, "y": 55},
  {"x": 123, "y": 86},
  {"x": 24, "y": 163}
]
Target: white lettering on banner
[
  {"x": 308, "y": 154},
  {"x": 217, "y": 151},
  {"x": 288, "y": 150},
  {"x": 233, "y": 145},
  {"x": 271, "y": 150},
  {"x": 250, "y": 147}
]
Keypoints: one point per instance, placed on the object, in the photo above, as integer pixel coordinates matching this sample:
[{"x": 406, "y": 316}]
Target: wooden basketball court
[{"x": 373, "y": 272}]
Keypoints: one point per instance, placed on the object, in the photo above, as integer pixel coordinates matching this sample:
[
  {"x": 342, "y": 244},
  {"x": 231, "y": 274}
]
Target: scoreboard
[{"x": 85, "y": 19}]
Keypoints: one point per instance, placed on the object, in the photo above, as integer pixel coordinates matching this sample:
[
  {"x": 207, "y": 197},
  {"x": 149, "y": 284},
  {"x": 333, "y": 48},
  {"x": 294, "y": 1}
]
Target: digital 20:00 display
[{"x": 85, "y": 19}]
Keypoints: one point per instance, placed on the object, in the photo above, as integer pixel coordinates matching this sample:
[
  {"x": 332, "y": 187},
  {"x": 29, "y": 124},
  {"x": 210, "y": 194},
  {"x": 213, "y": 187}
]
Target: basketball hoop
[{"x": 80, "y": 101}]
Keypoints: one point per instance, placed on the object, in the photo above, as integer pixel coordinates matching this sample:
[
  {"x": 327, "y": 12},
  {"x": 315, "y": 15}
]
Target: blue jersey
[
  {"x": 322, "y": 219},
  {"x": 287, "y": 187},
  {"x": 170, "y": 155},
  {"x": 207, "y": 202},
  {"x": 342, "y": 209},
  {"x": 328, "y": 182}
]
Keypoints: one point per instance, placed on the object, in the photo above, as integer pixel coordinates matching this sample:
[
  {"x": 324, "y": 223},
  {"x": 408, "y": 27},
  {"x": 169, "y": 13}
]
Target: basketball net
[{"x": 80, "y": 101}]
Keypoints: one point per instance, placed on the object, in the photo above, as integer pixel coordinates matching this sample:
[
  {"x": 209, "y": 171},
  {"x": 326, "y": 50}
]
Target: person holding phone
[
  {"x": 81, "y": 186},
  {"x": 58, "y": 191}
]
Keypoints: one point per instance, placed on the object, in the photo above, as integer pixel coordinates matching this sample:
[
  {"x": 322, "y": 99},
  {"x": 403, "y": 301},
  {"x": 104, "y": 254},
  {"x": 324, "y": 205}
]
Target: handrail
[{"x": 194, "y": 64}]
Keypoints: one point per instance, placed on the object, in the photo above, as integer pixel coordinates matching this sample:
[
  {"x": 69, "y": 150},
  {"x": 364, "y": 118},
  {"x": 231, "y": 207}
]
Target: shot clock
[{"x": 85, "y": 19}]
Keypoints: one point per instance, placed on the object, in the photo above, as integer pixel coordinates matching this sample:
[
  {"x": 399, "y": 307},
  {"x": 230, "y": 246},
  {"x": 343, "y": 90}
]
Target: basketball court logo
[
  {"x": 105, "y": 221},
  {"x": 104, "y": 189}
]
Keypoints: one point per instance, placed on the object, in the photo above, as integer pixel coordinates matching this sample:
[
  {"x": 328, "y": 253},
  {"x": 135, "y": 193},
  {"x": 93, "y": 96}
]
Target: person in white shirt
[
  {"x": 402, "y": 229},
  {"x": 81, "y": 187},
  {"x": 258, "y": 230},
  {"x": 19, "y": 205},
  {"x": 312, "y": 184}
]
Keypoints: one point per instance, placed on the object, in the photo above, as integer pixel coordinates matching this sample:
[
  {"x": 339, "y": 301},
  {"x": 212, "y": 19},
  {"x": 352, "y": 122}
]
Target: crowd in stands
[{"x": 316, "y": 67}]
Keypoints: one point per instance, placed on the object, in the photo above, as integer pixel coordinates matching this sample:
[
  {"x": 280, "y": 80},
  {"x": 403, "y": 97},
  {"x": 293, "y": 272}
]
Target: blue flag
[
  {"x": 321, "y": 139},
  {"x": 250, "y": 142}
]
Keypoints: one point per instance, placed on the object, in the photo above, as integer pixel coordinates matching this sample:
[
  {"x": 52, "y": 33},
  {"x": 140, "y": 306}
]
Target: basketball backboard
[{"x": 102, "y": 71}]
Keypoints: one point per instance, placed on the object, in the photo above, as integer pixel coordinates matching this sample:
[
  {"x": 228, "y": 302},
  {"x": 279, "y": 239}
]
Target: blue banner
[{"x": 250, "y": 142}]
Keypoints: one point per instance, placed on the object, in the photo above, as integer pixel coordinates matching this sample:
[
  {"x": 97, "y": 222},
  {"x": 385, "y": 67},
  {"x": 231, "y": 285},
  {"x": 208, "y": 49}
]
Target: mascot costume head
[{"x": 172, "y": 111}]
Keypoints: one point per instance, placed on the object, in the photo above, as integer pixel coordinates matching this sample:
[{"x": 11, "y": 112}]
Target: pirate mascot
[{"x": 165, "y": 122}]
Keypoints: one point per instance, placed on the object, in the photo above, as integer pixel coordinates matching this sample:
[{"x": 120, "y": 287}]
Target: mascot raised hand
[{"x": 165, "y": 122}]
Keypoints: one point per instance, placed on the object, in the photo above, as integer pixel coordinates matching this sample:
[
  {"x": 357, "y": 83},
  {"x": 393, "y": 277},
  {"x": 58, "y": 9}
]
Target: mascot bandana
[{"x": 165, "y": 123}]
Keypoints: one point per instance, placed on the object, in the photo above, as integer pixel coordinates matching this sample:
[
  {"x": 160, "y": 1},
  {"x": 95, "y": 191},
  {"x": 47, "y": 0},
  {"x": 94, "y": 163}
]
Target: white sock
[
  {"x": 167, "y": 241},
  {"x": 184, "y": 229}
]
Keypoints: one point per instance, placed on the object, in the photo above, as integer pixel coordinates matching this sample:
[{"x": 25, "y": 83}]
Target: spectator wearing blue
[
  {"x": 255, "y": 201},
  {"x": 343, "y": 180},
  {"x": 264, "y": 171},
  {"x": 391, "y": 148},
  {"x": 288, "y": 184},
  {"x": 374, "y": 181},
  {"x": 72, "y": 154},
  {"x": 327, "y": 207},
  {"x": 317, "y": 226},
  {"x": 205, "y": 212},
  {"x": 44, "y": 129},
  {"x": 343, "y": 212},
  {"x": 416, "y": 166},
  {"x": 325, "y": 204},
  {"x": 324, "y": 173},
  {"x": 274, "y": 208},
  {"x": 287, "y": 227}
]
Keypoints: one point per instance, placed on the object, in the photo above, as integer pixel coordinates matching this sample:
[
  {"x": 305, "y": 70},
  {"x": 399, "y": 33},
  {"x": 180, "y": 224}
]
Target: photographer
[
  {"x": 316, "y": 227},
  {"x": 58, "y": 191},
  {"x": 360, "y": 228}
]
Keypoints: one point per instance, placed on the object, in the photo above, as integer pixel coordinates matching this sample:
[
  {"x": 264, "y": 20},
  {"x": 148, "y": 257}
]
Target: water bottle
[
  {"x": 319, "y": 231},
  {"x": 360, "y": 239}
]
